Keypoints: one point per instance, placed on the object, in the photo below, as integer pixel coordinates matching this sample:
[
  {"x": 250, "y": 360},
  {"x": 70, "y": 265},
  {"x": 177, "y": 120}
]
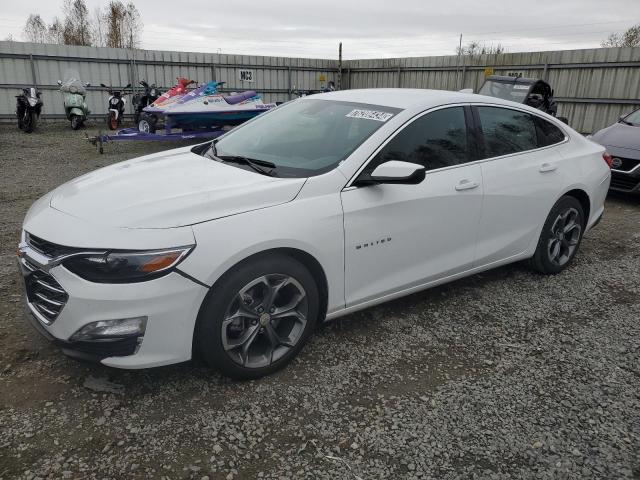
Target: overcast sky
[{"x": 368, "y": 29}]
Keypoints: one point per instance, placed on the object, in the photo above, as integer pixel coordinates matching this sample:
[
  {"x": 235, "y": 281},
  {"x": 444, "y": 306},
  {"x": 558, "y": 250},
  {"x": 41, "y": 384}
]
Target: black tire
[
  {"x": 76, "y": 123},
  {"x": 543, "y": 260},
  {"x": 147, "y": 123},
  {"x": 31, "y": 121},
  {"x": 208, "y": 335}
]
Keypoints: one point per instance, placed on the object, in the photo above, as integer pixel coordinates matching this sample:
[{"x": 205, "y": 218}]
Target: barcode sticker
[{"x": 370, "y": 115}]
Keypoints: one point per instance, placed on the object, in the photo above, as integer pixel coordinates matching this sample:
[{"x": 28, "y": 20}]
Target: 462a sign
[{"x": 246, "y": 75}]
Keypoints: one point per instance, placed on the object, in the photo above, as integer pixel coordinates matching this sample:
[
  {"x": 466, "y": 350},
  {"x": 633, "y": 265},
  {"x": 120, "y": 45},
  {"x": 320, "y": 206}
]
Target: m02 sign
[{"x": 246, "y": 75}]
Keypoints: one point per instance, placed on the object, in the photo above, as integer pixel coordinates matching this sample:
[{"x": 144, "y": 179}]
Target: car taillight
[{"x": 608, "y": 159}]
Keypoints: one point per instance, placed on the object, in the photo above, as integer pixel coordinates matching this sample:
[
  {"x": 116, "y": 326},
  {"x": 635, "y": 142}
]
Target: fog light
[{"x": 111, "y": 329}]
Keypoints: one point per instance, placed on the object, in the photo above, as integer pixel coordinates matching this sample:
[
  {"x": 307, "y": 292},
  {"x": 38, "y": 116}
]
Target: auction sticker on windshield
[{"x": 370, "y": 115}]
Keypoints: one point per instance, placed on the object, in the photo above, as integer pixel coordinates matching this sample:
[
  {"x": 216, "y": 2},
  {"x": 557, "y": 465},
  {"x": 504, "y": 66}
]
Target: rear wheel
[
  {"x": 76, "y": 123},
  {"x": 560, "y": 237},
  {"x": 258, "y": 317}
]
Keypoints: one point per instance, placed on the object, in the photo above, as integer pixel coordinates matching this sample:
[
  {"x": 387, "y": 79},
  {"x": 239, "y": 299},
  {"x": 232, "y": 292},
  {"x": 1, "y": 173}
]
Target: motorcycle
[
  {"x": 142, "y": 100},
  {"x": 115, "y": 106},
  {"x": 74, "y": 98},
  {"x": 28, "y": 109}
]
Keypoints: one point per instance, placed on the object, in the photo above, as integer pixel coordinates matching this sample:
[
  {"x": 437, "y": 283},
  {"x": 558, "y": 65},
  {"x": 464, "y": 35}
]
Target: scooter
[
  {"x": 142, "y": 100},
  {"x": 115, "y": 106},
  {"x": 74, "y": 97},
  {"x": 28, "y": 108}
]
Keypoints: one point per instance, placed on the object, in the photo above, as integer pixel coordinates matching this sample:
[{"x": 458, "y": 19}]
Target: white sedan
[{"x": 235, "y": 249}]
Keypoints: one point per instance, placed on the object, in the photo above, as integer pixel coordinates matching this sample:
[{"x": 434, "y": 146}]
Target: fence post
[
  {"x": 289, "y": 80},
  {"x": 545, "y": 73},
  {"x": 33, "y": 70},
  {"x": 399, "y": 80}
]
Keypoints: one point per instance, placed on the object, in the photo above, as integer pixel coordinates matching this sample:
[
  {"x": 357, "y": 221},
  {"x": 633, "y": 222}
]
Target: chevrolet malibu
[{"x": 234, "y": 250}]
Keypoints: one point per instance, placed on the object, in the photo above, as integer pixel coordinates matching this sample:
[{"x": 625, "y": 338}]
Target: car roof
[{"x": 409, "y": 98}]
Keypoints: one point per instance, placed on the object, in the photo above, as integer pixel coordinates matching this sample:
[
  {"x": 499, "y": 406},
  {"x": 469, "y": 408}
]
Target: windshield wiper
[{"x": 257, "y": 165}]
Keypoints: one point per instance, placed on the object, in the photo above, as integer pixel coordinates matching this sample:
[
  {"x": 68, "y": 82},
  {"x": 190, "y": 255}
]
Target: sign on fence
[{"x": 245, "y": 75}]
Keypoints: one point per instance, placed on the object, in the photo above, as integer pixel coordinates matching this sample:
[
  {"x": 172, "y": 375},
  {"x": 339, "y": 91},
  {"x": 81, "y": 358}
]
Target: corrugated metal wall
[
  {"x": 22, "y": 64},
  {"x": 594, "y": 87}
]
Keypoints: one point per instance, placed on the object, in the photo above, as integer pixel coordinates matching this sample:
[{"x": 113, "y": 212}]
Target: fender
[
  {"x": 76, "y": 111},
  {"x": 115, "y": 111}
]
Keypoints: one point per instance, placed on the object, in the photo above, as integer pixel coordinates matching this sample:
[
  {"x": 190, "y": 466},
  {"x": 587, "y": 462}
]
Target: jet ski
[
  {"x": 153, "y": 112},
  {"x": 209, "y": 108}
]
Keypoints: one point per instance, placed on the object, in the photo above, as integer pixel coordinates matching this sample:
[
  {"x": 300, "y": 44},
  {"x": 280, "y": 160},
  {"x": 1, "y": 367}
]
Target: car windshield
[
  {"x": 633, "y": 119},
  {"x": 507, "y": 91},
  {"x": 305, "y": 137}
]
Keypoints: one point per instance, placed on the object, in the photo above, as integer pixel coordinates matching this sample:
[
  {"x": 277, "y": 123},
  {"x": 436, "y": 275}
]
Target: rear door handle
[
  {"x": 547, "y": 167},
  {"x": 466, "y": 185}
]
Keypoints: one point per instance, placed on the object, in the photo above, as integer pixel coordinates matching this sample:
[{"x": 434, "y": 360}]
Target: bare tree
[
  {"x": 35, "y": 30},
  {"x": 476, "y": 48},
  {"x": 77, "y": 27},
  {"x": 55, "y": 32},
  {"x": 97, "y": 28},
  {"x": 123, "y": 24},
  {"x": 630, "y": 38}
]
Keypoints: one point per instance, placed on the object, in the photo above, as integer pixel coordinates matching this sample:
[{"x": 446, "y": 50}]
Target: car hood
[
  {"x": 170, "y": 189},
  {"x": 619, "y": 135}
]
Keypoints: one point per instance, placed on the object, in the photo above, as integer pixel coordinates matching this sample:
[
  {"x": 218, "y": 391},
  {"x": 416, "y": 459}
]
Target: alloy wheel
[
  {"x": 265, "y": 320},
  {"x": 564, "y": 236}
]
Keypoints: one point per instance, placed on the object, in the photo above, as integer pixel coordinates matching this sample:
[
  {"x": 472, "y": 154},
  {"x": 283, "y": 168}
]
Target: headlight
[{"x": 126, "y": 267}]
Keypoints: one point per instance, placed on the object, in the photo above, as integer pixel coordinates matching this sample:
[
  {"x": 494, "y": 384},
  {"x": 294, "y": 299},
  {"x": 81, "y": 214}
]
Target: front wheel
[
  {"x": 30, "y": 121},
  {"x": 560, "y": 237},
  {"x": 257, "y": 317},
  {"x": 112, "y": 121},
  {"x": 76, "y": 122}
]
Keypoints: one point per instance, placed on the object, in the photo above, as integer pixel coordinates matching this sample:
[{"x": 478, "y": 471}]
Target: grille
[
  {"x": 628, "y": 164},
  {"x": 44, "y": 293},
  {"x": 47, "y": 248},
  {"x": 623, "y": 182}
]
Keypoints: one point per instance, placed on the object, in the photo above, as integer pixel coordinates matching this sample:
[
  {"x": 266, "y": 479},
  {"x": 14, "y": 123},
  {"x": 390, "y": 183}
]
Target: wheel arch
[
  {"x": 308, "y": 260},
  {"x": 584, "y": 199}
]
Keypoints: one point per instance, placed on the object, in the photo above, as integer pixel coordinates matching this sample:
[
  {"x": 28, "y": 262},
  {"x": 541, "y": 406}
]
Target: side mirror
[
  {"x": 393, "y": 171},
  {"x": 59, "y": 82}
]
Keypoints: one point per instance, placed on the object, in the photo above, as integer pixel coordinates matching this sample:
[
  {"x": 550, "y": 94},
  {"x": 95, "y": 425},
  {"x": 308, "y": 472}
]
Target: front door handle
[
  {"x": 547, "y": 167},
  {"x": 466, "y": 185}
]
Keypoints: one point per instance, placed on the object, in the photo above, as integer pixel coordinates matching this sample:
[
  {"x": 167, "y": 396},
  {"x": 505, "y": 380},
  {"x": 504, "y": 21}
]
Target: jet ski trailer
[{"x": 133, "y": 134}]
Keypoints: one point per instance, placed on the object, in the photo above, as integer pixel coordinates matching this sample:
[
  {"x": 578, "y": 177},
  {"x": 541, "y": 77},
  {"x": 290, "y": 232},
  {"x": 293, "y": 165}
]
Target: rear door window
[{"x": 507, "y": 131}]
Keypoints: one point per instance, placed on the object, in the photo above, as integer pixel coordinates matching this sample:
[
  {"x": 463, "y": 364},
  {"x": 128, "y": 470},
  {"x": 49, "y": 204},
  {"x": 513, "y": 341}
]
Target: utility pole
[
  {"x": 458, "y": 61},
  {"x": 339, "y": 86}
]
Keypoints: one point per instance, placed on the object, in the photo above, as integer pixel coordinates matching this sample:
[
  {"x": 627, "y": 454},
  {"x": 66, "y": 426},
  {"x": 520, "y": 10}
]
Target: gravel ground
[{"x": 507, "y": 374}]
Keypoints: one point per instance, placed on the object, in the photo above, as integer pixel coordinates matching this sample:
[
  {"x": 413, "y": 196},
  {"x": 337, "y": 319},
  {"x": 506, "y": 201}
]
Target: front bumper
[
  {"x": 170, "y": 303},
  {"x": 626, "y": 182}
]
